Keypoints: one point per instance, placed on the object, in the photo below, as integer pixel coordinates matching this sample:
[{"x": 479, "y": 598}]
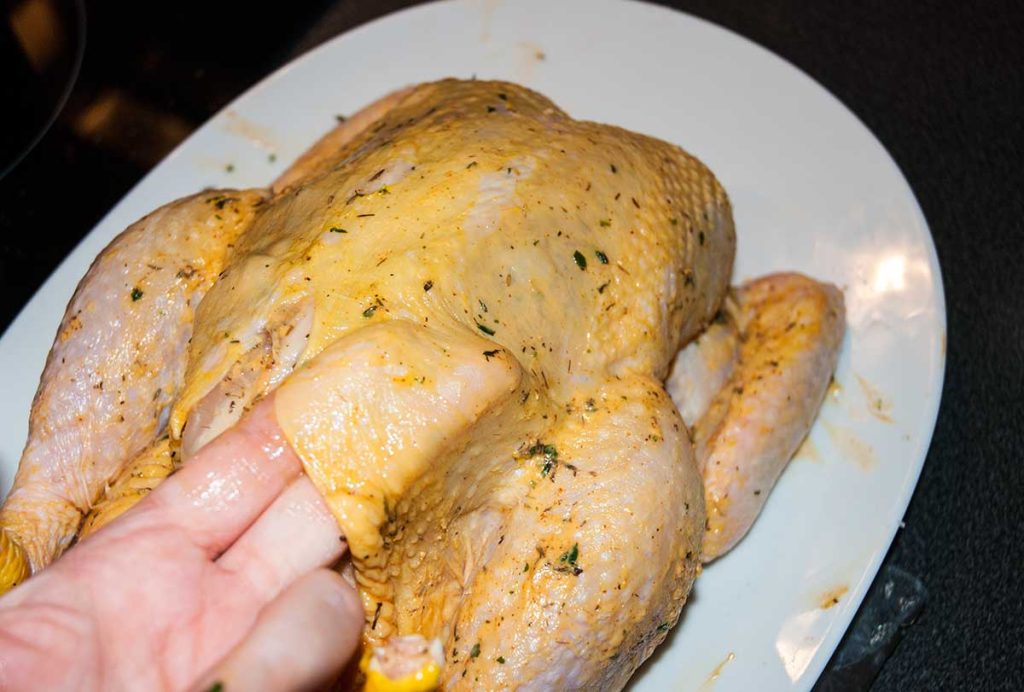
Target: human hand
[{"x": 216, "y": 578}]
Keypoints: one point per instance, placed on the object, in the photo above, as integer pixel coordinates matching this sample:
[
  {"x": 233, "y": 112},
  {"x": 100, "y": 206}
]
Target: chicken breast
[{"x": 582, "y": 255}]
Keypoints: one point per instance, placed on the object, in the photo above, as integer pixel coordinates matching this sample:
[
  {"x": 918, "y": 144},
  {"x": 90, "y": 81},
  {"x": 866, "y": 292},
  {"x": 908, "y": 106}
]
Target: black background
[{"x": 939, "y": 83}]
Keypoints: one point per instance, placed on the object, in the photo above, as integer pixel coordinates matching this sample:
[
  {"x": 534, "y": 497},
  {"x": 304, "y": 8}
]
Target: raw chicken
[{"x": 467, "y": 303}]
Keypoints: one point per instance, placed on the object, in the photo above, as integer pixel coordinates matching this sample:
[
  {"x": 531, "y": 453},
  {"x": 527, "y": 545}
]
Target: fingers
[
  {"x": 228, "y": 484},
  {"x": 295, "y": 535},
  {"x": 300, "y": 640}
]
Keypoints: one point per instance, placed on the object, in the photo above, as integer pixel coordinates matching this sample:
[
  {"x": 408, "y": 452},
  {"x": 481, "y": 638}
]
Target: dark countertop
[{"x": 935, "y": 81}]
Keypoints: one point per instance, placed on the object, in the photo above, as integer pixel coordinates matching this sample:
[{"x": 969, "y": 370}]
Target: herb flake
[
  {"x": 581, "y": 261},
  {"x": 136, "y": 294}
]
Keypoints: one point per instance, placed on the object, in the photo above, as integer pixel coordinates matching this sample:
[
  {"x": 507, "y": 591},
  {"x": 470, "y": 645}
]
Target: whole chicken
[{"x": 467, "y": 304}]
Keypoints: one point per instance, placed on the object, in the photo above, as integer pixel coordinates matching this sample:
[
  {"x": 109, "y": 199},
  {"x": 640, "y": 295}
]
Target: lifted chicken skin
[{"x": 467, "y": 303}]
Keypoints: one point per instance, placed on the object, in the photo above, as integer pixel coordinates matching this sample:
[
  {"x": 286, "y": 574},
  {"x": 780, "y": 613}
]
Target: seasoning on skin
[
  {"x": 428, "y": 285},
  {"x": 336, "y": 229},
  {"x": 475, "y": 651},
  {"x": 601, "y": 257},
  {"x": 136, "y": 294},
  {"x": 500, "y": 659},
  {"x": 490, "y": 354},
  {"x": 485, "y": 329},
  {"x": 581, "y": 261},
  {"x": 605, "y": 223},
  {"x": 600, "y": 289},
  {"x": 368, "y": 312},
  {"x": 550, "y": 457},
  {"x": 216, "y": 687}
]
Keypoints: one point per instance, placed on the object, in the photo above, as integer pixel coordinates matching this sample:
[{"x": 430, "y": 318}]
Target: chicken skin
[{"x": 467, "y": 304}]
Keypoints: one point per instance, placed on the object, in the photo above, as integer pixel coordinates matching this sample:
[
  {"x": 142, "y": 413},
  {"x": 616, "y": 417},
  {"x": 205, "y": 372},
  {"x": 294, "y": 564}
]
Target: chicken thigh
[{"x": 467, "y": 304}]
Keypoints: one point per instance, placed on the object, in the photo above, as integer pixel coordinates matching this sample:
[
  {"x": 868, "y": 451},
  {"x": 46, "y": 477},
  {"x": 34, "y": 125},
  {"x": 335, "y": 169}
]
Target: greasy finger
[
  {"x": 227, "y": 485},
  {"x": 295, "y": 535},
  {"x": 300, "y": 640}
]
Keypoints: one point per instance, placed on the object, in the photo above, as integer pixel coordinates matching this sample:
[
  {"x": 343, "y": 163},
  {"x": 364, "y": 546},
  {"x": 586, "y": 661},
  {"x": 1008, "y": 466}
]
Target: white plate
[{"x": 813, "y": 191}]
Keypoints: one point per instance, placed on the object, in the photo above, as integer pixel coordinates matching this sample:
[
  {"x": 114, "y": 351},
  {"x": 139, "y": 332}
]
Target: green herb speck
[
  {"x": 581, "y": 261},
  {"x": 337, "y": 229},
  {"x": 601, "y": 257},
  {"x": 368, "y": 312},
  {"x": 500, "y": 659},
  {"x": 485, "y": 329},
  {"x": 475, "y": 651},
  {"x": 570, "y": 556},
  {"x": 136, "y": 294}
]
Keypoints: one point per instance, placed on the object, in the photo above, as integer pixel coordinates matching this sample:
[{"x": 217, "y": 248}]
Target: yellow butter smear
[
  {"x": 13, "y": 565},
  {"x": 423, "y": 680}
]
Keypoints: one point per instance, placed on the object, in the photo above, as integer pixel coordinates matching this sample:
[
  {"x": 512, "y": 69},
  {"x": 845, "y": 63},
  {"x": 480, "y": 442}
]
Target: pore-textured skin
[{"x": 581, "y": 254}]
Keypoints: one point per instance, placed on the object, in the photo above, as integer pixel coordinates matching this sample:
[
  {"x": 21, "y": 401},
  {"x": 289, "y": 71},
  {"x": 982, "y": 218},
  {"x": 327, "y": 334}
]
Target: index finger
[{"x": 227, "y": 484}]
